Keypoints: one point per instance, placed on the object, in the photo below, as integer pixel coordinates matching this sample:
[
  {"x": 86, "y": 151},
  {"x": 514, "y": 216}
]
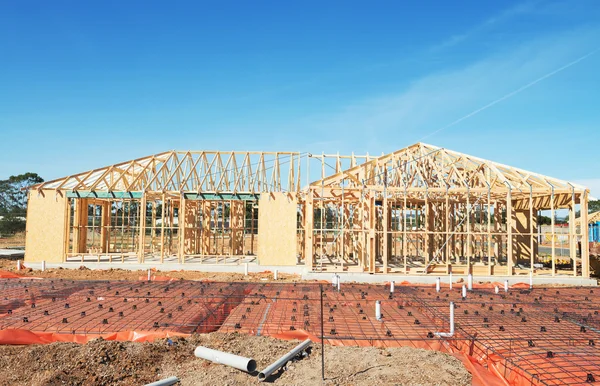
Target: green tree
[
  {"x": 544, "y": 220},
  {"x": 13, "y": 201},
  {"x": 13, "y": 193}
]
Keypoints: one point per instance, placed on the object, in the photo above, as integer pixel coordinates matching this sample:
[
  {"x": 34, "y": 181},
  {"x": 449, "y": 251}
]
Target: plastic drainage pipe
[
  {"x": 448, "y": 334},
  {"x": 149, "y": 275},
  {"x": 263, "y": 375},
  {"x": 245, "y": 269},
  {"x": 464, "y": 291},
  {"x": 450, "y": 280},
  {"x": 392, "y": 285},
  {"x": 378, "y": 310},
  {"x": 275, "y": 275},
  {"x": 505, "y": 285},
  {"x": 470, "y": 282},
  {"x": 334, "y": 280},
  {"x": 437, "y": 285},
  {"x": 18, "y": 265},
  {"x": 235, "y": 361},
  {"x": 165, "y": 382},
  {"x": 496, "y": 289},
  {"x": 43, "y": 265},
  {"x": 338, "y": 284}
]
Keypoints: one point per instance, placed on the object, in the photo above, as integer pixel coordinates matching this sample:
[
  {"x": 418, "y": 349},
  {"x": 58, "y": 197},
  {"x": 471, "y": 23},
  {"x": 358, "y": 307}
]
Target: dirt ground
[
  {"x": 16, "y": 241},
  {"x": 128, "y": 363},
  {"x": 83, "y": 273}
]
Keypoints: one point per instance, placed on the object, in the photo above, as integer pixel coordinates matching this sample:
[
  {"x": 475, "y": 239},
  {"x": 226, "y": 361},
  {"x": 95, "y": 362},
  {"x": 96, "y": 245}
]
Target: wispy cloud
[
  {"x": 492, "y": 22},
  {"x": 435, "y": 100}
]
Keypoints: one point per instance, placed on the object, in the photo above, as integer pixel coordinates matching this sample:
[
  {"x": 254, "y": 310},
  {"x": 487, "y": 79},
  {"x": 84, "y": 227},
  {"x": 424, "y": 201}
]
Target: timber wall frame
[{"x": 420, "y": 210}]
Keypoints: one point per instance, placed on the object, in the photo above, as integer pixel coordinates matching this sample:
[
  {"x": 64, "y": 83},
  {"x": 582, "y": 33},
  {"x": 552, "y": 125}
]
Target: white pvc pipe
[
  {"x": 245, "y": 269},
  {"x": 18, "y": 265},
  {"x": 470, "y": 282},
  {"x": 448, "y": 334},
  {"x": 165, "y": 382},
  {"x": 339, "y": 285},
  {"x": 334, "y": 280},
  {"x": 283, "y": 360},
  {"x": 505, "y": 285},
  {"x": 450, "y": 281},
  {"x": 235, "y": 361},
  {"x": 149, "y": 275},
  {"x": 496, "y": 289},
  {"x": 43, "y": 265},
  {"x": 437, "y": 285},
  {"x": 530, "y": 280},
  {"x": 392, "y": 286},
  {"x": 378, "y": 310},
  {"x": 464, "y": 291},
  {"x": 275, "y": 275}
]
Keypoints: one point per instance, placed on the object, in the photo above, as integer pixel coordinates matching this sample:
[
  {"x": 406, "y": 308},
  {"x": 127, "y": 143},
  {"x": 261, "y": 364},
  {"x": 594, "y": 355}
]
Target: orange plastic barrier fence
[
  {"x": 12, "y": 275},
  {"x": 23, "y": 337}
]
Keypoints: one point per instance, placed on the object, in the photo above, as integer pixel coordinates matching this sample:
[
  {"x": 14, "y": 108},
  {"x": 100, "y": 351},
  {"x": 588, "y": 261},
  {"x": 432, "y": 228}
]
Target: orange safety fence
[
  {"x": 24, "y": 337},
  {"x": 486, "y": 285},
  {"x": 12, "y": 275}
]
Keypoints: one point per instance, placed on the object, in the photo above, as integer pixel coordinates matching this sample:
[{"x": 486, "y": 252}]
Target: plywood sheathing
[
  {"x": 46, "y": 227},
  {"x": 277, "y": 223}
]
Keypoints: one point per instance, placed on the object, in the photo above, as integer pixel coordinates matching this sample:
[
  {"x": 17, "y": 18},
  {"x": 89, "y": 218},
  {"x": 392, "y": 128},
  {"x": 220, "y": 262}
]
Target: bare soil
[
  {"x": 15, "y": 241},
  {"x": 129, "y": 363},
  {"x": 84, "y": 273}
]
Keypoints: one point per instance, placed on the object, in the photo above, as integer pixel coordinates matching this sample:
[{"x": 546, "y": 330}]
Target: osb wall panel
[
  {"x": 277, "y": 214},
  {"x": 46, "y": 223}
]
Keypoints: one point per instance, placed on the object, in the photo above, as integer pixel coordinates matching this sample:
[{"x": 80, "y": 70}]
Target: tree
[
  {"x": 13, "y": 193},
  {"x": 593, "y": 206},
  {"x": 544, "y": 220},
  {"x": 13, "y": 201}
]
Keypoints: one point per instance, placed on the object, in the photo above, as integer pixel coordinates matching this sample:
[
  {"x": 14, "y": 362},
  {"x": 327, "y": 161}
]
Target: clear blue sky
[{"x": 85, "y": 84}]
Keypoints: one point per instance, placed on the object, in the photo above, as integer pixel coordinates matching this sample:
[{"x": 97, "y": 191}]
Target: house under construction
[{"x": 420, "y": 210}]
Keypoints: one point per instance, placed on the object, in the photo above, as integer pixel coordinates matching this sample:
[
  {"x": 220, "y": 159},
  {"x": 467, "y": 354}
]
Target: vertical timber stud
[
  {"x": 572, "y": 237},
  {"x": 509, "y": 241},
  {"x": 404, "y": 233},
  {"x": 447, "y": 229},
  {"x": 469, "y": 232},
  {"x": 67, "y": 227},
  {"x": 181, "y": 216},
  {"x": 206, "y": 230},
  {"x": 162, "y": 229},
  {"x": 82, "y": 225},
  {"x": 105, "y": 227},
  {"x": 372, "y": 232},
  {"x": 552, "y": 232},
  {"x": 489, "y": 230},
  {"x": 531, "y": 219},
  {"x": 427, "y": 242},
  {"x": 142, "y": 228},
  {"x": 308, "y": 230},
  {"x": 386, "y": 228},
  {"x": 585, "y": 245}
]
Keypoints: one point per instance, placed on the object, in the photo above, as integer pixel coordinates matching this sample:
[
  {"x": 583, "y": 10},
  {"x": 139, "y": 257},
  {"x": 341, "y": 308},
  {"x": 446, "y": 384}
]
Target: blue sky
[{"x": 88, "y": 84}]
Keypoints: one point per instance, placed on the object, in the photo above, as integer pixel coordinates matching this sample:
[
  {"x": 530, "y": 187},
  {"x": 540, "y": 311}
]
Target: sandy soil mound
[{"x": 126, "y": 363}]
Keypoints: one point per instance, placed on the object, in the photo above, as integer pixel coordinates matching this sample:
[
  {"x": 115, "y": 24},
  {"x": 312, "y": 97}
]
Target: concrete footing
[{"x": 358, "y": 277}]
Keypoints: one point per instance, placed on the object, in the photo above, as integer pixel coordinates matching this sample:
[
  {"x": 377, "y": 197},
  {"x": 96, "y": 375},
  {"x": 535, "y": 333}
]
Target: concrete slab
[
  {"x": 431, "y": 279},
  {"x": 326, "y": 276},
  {"x": 12, "y": 253}
]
